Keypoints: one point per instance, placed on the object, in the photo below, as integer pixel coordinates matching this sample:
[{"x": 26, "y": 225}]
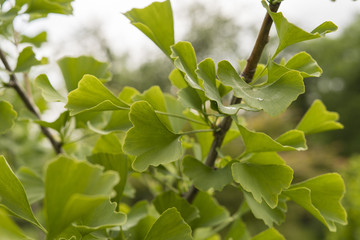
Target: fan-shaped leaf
[
  {"x": 27, "y": 59},
  {"x": 7, "y": 116}
]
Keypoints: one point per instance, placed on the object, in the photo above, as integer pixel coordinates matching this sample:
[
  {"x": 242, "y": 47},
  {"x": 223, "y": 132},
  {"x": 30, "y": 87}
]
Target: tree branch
[
  {"x": 13, "y": 83},
  {"x": 248, "y": 74}
]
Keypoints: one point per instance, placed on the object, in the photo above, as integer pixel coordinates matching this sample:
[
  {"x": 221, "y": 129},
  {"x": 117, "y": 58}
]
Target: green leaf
[
  {"x": 290, "y": 34},
  {"x": 206, "y": 72},
  {"x": 273, "y": 98},
  {"x": 58, "y": 124},
  {"x": 117, "y": 163},
  {"x": 211, "y": 213},
  {"x": 264, "y": 180},
  {"x": 305, "y": 64},
  {"x": 204, "y": 177},
  {"x": 33, "y": 184},
  {"x": 27, "y": 59},
  {"x": 238, "y": 231},
  {"x": 73, "y": 70},
  {"x": 47, "y": 90},
  {"x": 170, "y": 199},
  {"x": 93, "y": 96},
  {"x": 109, "y": 143},
  {"x": 8, "y": 229},
  {"x": 190, "y": 98},
  {"x": 177, "y": 79},
  {"x": 137, "y": 212},
  {"x": 318, "y": 119},
  {"x": 44, "y": 7},
  {"x": 260, "y": 142},
  {"x": 269, "y": 234},
  {"x": 149, "y": 139},
  {"x": 156, "y": 22},
  {"x": 7, "y": 116},
  {"x": 13, "y": 196},
  {"x": 66, "y": 202},
  {"x": 169, "y": 226},
  {"x": 36, "y": 40},
  {"x": 102, "y": 217},
  {"x": 184, "y": 57},
  {"x": 264, "y": 212},
  {"x": 139, "y": 231},
  {"x": 174, "y": 106},
  {"x": 321, "y": 196}
]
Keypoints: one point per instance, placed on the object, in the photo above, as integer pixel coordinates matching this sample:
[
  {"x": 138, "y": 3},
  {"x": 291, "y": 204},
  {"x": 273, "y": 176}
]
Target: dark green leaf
[
  {"x": 27, "y": 59},
  {"x": 156, "y": 22},
  {"x": 149, "y": 139},
  {"x": 7, "y": 116}
]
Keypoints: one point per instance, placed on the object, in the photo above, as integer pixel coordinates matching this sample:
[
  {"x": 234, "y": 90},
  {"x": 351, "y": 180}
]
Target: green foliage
[{"x": 108, "y": 145}]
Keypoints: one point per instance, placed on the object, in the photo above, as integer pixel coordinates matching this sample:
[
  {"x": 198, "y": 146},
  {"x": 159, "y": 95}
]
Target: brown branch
[
  {"x": 13, "y": 83},
  {"x": 248, "y": 74}
]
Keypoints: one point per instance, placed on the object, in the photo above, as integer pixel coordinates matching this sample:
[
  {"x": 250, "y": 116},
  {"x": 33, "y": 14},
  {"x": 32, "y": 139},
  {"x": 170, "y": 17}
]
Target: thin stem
[
  {"x": 248, "y": 74},
  {"x": 197, "y": 131},
  {"x": 180, "y": 117},
  {"x": 13, "y": 83}
]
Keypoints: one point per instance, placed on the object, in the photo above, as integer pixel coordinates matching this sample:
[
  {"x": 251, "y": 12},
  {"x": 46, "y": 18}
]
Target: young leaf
[
  {"x": 156, "y": 22},
  {"x": 73, "y": 70},
  {"x": 290, "y": 34},
  {"x": 47, "y": 90},
  {"x": 7, "y": 116},
  {"x": 321, "y": 196},
  {"x": 58, "y": 124},
  {"x": 27, "y": 59},
  {"x": 204, "y": 177},
  {"x": 305, "y": 64},
  {"x": 260, "y": 142},
  {"x": 8, "y": 229},
  {"x": 318, "y": 119},
  {"x": 169, "y": 225},
  {"x": 108, "y": 144},
  {"x": 170, "y": 199},
  {"x": 265, "y": 181},
  {"x": 269, "y": 234},
  {"x": 211, "y": 213},
  {"x": 66, "y": 202},
  {"x": 36, "y": 40},
  {"x": 264, "y": 212},
  {"x": 177, "y": 79},
  {"x": 92, "y": 96},
  {"x": 44, "y": 7},
  {"x": 273, "y": 98},
  {"x": 13, "y": 196},
  {"x": 33, "y": 184},
  {"x": 149, "y": 139}
]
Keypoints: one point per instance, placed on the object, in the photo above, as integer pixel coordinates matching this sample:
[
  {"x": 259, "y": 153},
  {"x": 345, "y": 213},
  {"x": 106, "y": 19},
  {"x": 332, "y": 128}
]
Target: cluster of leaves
[{"x": 79, "y": 194}]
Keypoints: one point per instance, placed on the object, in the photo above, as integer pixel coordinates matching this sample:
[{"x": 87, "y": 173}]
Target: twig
[
  {"x": 13, "y": 83},
  {"x": 248, "y": 74}
]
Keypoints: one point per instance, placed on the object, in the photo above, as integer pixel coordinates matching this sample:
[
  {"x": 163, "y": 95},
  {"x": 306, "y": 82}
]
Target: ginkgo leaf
[
  {"x": 92, "y": 96},
  {"x": 47, "y": 90},
  {"x": 156, "y": 22},
  {"x": 8, "y": 228},
  {"x": 32, "y": 182},
  {"x": 321, "y": 196},
  {"x": 318, "y": 119},
  {"x": 27, "y": 59},
  {"x": 58, "y": 124},
  {"x": 36, "y": 40},
  {"x": 290, "y": 34},
  {"x": 7, "y": 116},
  {"x": 204, "y": 177},
  {"x": 269, "y": 234},
  {"x": 273, "y": 98},
  {"x": 149, "y": 139}
]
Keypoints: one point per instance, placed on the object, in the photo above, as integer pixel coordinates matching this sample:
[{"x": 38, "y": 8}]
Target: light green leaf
[
  {"x": 290, "y": 34},
  {"x": 205, "y": 178},
  {"x": 269, "y": 234},
  {"x": 13, "y": 196},
  {"x": 273, "y": 98},
  {"x": 190, "y": 98},
  {"x": 140, "y": 230},
  {"x": 27, "y": 59},
  {"x": 169, "y": 226},
  {"x": 44, "y": 7},
  {"x": 58, "y": 124},
  {"x": 8, "y": 229},
  {"x": 211, "y": 213},
  {"x": 7, "y": 116},
  {"x": 156, "y": 22},
  {"x": 174, "y": 106},
  {"x": 117, "y": 163},
  {"x": 177, "y": 79},
  {"x": 149, "y": 139},
  {"x": 260, "y": 142},
  {"x": 238, "y": 231},
  {"x": 321, "y": 196},
  {"x": 73, "y": 70},
  {"x": 33, "y": 184},
  {"x": 170, "y": 199},
  {"x": 102, "y": 217},
  {"x": 47, "y": 90},
  {"x": 36, "y": 40},
  {"x": 264, "y": 180},
  {"x": 318, "y": 119},
  {"x": 137, "y": 212},
  {"x": 93, "y": 96},
  {"x": 206, "y": 72},
  {"x": 108, "y": 144},
  {"x": 184, "y": 57},
  {"x": 66, "y": 202},
  {"x": 305, "y": 64},
  {"x": 264, "y": 212}
]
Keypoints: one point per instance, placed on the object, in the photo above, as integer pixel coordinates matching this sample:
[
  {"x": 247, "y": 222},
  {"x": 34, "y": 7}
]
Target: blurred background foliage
[{"x": 219, "y": 37}]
